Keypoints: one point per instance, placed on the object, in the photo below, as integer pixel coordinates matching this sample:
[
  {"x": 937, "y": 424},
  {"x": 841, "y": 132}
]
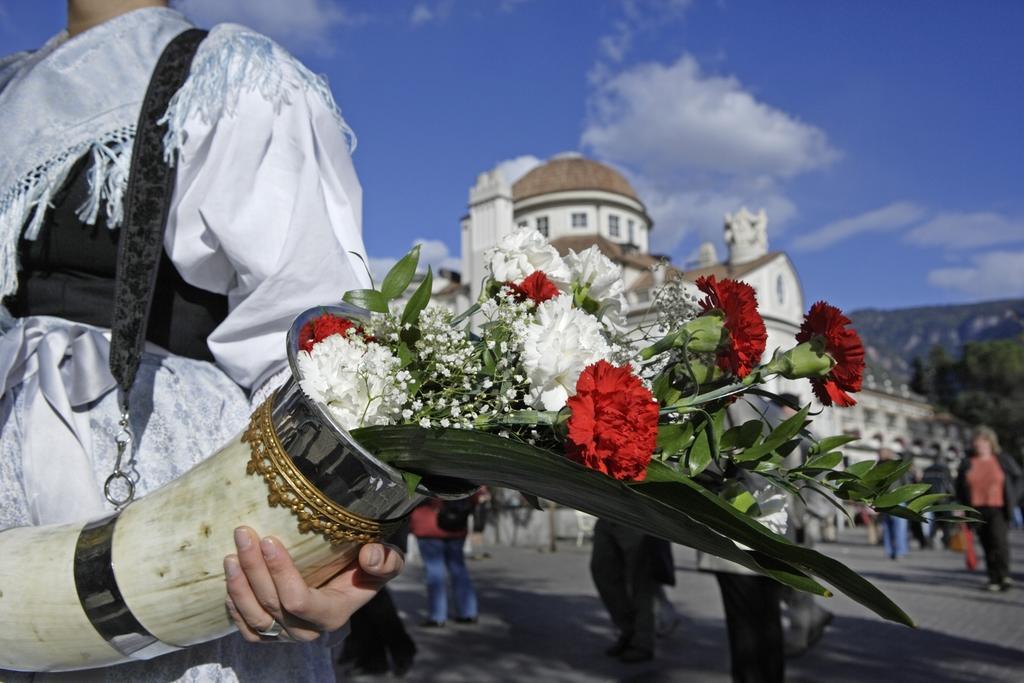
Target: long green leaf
[
  {"x": 780, "y": 435},
  {"x": 490, "y": 460},
  {"x": 901, "y": 495},
  {"x": 398, "y": 278},
  {"x": 831, "y": 442},
  {"x": 419, "y": 300},
  {"x": 922, "y": 502},
  {"x": 370, "y": 299},
  {"x": 825, "y": 461},
  {"x": 667, "y": 504},
  {"x": 741, "y": 436},
  {"x": 708, "y": 508}
]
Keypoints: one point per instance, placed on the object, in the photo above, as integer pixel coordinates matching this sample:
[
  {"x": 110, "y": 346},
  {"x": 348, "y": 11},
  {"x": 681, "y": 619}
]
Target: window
[
  {"x": 780, "y": 289},
  {"x": 629, "y": 226},
  {"x": 542, "y": 225},
  {"x": 613, "y": 226},
  {"x": 523, "y": 224},
  {"x": 579, "y": 220}
]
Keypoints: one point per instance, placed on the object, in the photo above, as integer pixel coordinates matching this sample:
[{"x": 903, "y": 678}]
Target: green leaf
[
  {"x": 699, "y": 457},
  {"x": 370, "y": 299},
  {"x": 741, "y": 436},
  {"x": 490, "y": 460},
  {"x": 398, "y": 278},
  {"x": 901, "y": 495},
  {"x": 405, "y": 355},
  {"x": 418, "y": 301},
  {"x": 826, "y": 461},
  {"x": 918, "y": 504},
  {"x": 885, "y": 472},
  {"x": 744, "y": 501},
  {"x": 664, "y": 391},
  {"x": 411, "y": 481},
  {"x": 667, "y": 504},
  {"x": 673, "y": 438},
  {"x": 780, "y": 435},
  {"x": 859, "y": 469},
  {"x": 831, "y": 442}
]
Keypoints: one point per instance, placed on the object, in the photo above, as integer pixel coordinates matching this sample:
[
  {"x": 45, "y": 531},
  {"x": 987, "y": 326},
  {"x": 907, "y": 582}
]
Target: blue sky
[{"x": 884, "y": 139}]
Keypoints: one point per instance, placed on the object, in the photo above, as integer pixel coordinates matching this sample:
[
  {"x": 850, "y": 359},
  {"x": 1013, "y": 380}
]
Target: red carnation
[
  {"x": 614, "y": 423},
  {"x": 843, "y": 345},
  {"x": 747, "y": 335},
  {"x": 536, "y": 286},
  {"x": 318, "y": 329}
]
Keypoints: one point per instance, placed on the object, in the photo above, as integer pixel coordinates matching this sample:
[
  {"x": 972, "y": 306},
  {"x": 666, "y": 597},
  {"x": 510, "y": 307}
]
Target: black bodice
[{"x": 69, "y": 272}]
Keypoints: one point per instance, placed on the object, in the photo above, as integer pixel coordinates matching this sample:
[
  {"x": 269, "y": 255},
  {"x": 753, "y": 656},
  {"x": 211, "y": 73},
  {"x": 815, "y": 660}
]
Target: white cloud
[
  {"x": 421, "y": 14},
  {"x": 991, "y": 274},
  {"x": 638, "y": 16},
  {"x": 885, "y": 219},
  {"x": 697, "y": 146},
  {"x": 516, "y": 168},
  {"x": 425, "y": 13},
  {"x": 658, "y": 117},
  {"x": 433, "y": 253},
  {"x": 297, "y": 23},
  {"x": 701, "y": 212},
  {"x": 964, "y": 230}
]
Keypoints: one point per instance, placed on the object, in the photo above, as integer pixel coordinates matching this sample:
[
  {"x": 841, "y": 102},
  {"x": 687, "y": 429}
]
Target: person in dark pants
[
  {"x": 754, "y": 622},
  {"x": 988, "y": 481},
  {"x": 621, "y": 566},
  {"x": 377, "y": 632},
  {"x": 753, "y": 613}
]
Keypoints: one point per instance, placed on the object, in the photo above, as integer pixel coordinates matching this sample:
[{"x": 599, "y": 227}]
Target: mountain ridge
[{"x": 893, "y": 338}]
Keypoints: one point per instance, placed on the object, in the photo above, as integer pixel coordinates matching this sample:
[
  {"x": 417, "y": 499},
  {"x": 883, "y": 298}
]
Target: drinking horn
[{"x": 149, "y": 579}]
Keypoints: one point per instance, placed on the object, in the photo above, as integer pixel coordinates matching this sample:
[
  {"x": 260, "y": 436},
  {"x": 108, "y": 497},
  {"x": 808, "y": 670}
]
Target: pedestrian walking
[
  {"x": 377, "y": 642},
  {"x": 989, "y": 482},
  {"x": 440, "y": 529},
  {"x": 622, "y": 566}
]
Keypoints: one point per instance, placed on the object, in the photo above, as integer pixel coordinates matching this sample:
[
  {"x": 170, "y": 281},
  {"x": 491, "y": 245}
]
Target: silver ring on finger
[{"x": 272, "y": 631}]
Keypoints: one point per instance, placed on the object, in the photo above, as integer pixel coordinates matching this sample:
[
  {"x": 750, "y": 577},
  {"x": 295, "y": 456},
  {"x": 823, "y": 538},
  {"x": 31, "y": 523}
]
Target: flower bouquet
[
  {"x": 538, "y": 387},
  {"x": 552, "y": 395}
]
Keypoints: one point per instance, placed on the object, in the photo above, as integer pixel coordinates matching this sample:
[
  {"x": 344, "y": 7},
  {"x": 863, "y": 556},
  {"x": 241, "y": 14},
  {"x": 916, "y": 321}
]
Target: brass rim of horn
[{"x": 289, "y": 488}]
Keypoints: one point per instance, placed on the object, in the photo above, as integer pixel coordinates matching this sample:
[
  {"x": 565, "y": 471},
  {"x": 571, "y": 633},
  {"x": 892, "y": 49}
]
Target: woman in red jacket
[
  {"x": 988, "y": 481},
  {"x": 440, "y": 530}
]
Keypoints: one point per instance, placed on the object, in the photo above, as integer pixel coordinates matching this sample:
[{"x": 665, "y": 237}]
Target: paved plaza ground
[{"x": 541, "y": 620}]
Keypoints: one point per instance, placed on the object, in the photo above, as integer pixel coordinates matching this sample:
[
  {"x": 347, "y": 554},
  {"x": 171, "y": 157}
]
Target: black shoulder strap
[{"x": 147, "y": 202}]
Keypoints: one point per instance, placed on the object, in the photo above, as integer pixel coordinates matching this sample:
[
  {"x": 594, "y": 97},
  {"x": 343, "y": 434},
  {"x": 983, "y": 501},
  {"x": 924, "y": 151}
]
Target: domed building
[
  {"x": 567, "y": 198},
  {"x": 570, "y": 195},
  {"x": 577, "y": 202}
]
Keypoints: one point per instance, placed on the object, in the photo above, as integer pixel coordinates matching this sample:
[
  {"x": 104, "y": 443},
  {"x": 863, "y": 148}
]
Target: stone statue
[
  {"x": 746, "y": 235},
  {"x": 707, "y": 255}
]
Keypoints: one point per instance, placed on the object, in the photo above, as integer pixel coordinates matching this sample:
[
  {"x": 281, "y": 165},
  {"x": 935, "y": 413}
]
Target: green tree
[{"x": 984, "y": 386}]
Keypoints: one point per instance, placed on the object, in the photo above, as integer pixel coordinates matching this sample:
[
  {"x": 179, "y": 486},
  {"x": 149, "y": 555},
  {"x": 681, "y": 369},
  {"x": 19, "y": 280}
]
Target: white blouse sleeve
[{"x": 267, "y": 210}]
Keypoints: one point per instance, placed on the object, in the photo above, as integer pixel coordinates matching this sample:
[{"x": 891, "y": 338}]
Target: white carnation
[
  {"x": 603, "y": 278},
  {"x": 556, "y": 348},
  {"x": 523, "y": 252},
  {"x": 354, "y": 379}
]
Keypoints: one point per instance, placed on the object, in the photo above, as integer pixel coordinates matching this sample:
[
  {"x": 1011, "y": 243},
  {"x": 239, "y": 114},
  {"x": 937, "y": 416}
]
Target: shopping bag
[{"x": 970, "y": 557}]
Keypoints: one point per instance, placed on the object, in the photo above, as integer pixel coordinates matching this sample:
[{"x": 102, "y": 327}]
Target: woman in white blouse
[{"x": 265, "y": 221}]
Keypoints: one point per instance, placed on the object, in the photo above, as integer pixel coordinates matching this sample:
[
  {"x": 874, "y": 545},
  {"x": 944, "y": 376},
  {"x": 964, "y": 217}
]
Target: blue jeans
[
  {"x": 894, "y": 535},
  {"x": 438, "y": 555}
]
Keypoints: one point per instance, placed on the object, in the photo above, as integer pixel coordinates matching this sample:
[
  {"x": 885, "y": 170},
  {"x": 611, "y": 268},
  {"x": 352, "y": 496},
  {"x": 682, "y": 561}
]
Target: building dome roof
[{"x": 571, "y": 172}]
